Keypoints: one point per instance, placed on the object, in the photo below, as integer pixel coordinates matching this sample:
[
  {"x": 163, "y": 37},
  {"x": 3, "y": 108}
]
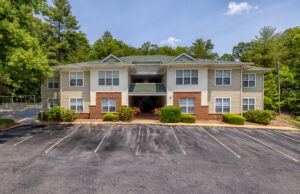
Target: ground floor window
[
  {"x": 108, "y": 105},
  {"x": 52, "y": 102},
  {"x": 187, "y": 105},
  {"x": 76, "y": 104},
  {"x": 248, "y": 104},
  {"x": 222, "y": 105}
]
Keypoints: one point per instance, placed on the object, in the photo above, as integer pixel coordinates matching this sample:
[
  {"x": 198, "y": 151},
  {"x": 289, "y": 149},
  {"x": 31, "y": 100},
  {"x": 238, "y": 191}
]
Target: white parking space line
[
  {"x": 184, "y": 153},
  {"x": 23, "y": 140},
  {"x": 60, "y": 140},
  {"x": 275, "y": 132},
  {"x": 268, "y": 146},
  {"x": 138, "y": 142},
  {"x": 217, "y": 140},
  {"x": 103, "y": 139}
]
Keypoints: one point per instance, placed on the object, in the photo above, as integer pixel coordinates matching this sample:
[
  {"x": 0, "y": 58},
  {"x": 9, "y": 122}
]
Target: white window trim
[
  {"x": 52, "y": 82},
  {"x": 248, "y": 103},
  {"x": 52, "y": 99},
  {"x": 248, "y": 80},
  {"x": 112, "y": 81},
  {"x": 108, "y": 105},
  {"x": 76, "y": 103},
  {"x": 76, "y": 78},
  {"x": 183, "y": 77},
  {"x": 187, "y": 106},
  {"x": 222, "y": 104},
  {"x": 223, "y": 77}
]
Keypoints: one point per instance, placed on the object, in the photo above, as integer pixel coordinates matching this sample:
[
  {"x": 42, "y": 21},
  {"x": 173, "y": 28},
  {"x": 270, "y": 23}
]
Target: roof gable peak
[
  {"x": 111, "y": 58},
  {"x": 184, "y": 57}
]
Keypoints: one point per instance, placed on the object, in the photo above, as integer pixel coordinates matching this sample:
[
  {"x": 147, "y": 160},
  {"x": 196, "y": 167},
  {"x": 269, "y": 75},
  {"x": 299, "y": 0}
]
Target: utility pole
[{"x": 278, "y": 80}]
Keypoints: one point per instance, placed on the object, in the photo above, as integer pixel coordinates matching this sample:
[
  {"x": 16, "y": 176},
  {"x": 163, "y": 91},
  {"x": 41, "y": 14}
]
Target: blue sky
[{"x": 138, "y": 21}]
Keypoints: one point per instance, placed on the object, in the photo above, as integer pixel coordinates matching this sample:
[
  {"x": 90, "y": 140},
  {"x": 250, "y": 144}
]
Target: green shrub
[
  {"x": 45, "y": 115},
  {"x": 233, "y": 119},
  {"x": 69, "y": 115},
  {"x": 298, "y": 118},
  {"x": 58, "y": 113},
  {"x": 258, "y": 116},
  {"x": 125, "y": 113},
  {"x": 273, "y": 114},
  {"x": 187, "y": 118},
  {"x": 110, "y": 117},
  {"x": 170, "y": 114},
  {"x": 5, "y": 121}
]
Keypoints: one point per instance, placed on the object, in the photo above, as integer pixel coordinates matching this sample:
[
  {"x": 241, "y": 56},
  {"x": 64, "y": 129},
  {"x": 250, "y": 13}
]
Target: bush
[
  {"x": 170, "y": 114},
  {"x": 233, "y": 119},
  {"x": 187, "y": 118},
  {"x": 125, "y": 113},
  {"x": 58, "y": 113},
  {"x": 273, "y": 114},
  {"x": 258, "y": 116},
  {"x": 298, "y": 118},
  {"x": 5, "y": 121},
  {"x": 110, "y": 117}
]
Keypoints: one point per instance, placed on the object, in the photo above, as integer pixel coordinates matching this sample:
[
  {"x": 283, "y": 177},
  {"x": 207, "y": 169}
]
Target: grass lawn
[
  {"x": 292, "y": 120},
  {"x": 5, "y": 121}
]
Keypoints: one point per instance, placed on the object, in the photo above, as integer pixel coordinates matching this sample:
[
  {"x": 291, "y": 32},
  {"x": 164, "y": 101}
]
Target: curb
[
  {"x": 172, "y": 124},
  {"x": 5, "y": 129}
]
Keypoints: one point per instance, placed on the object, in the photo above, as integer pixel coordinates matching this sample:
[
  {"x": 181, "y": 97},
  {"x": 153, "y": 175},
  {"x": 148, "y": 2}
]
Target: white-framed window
[
  {"x": 52, "y": 102},
  {"x": 76, "y": 104},
  {"x": 108, "y": 105},
  {"x": 222, "y": 105},
  {"x": 53, "y": 82},
  {"x": 187, "y": 105},
  {"x": 248, "y": 104},
  {"x": 108, "y": 78},
  {"x": 76, "y": 78},
  {"x": 186, "y": 77},
  {"x": 249, "y": 80},
  {"x": 222, "y": 77}
]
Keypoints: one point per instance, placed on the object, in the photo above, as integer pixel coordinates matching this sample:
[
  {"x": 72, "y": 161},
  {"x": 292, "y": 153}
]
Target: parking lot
[{"x": 148, "y": 159}]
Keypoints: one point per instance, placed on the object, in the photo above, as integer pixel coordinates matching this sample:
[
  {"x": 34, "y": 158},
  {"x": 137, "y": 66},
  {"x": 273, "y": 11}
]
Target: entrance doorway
[{"x": 147, "y": 103}]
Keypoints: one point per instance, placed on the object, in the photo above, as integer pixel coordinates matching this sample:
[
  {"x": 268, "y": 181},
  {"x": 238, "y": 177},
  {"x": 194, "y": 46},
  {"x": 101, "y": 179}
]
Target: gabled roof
[
  {"x": 183, "y": 57},
  {"x": 111, "y": 59}
]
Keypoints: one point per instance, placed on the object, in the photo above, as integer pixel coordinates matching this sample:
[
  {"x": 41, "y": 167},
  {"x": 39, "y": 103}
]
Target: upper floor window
[
  {"x": 249, "y": 80},
  {"x": 223, "y": 77},
  {"x": 187, "y": 105},
  {"x": 76, "y": 104},
  {"x": 52, "y": 102},
  {"x": 186, "y": 77},
  {"x": 53, "y": 82},
  {"x": 222, "y": 105},
  {"x": 248, "y": 104},
  {"x": 109, "y": 78},
  {"x": 76, "y": 78}
]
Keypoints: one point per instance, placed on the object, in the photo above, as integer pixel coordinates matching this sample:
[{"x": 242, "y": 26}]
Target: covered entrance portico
[{"x": 147, "y": 96}]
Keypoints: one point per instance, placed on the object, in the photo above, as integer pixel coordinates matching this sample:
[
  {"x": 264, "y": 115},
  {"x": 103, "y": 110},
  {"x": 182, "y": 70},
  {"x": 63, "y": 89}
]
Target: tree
[
  {"x": 227, "y": 57},
  {"x": 202, "y": 49},
  {"x": 64, "y": 26},
  {"x": 23, "y": 64},
  {"x": 240, "y": 48}
]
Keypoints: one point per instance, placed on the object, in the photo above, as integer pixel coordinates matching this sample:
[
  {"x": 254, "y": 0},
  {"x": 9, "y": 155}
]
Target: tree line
[{"x": 35, "y": 36}]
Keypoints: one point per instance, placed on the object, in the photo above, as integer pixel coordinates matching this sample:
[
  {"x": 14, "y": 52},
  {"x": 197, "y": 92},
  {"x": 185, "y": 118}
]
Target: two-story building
[{"x": 205, "y": 88}]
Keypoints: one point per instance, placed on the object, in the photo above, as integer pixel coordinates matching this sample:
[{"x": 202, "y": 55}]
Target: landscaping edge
[{"x": 169, "y": 124}]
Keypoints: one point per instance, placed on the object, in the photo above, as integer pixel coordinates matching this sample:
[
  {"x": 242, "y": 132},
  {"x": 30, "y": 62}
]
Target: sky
[{"x": 181, "y": 22}]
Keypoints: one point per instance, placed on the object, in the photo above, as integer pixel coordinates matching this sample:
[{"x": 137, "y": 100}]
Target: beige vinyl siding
[
  {"x": 233, "y": 91},
  {"x": 256, "y": 92},
  {"x": 47, "y": 93},
  {"x": 75, "y": 91}
]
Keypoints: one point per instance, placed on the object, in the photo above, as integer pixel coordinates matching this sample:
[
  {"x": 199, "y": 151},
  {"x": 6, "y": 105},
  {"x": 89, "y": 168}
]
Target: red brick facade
[
  {"x": 96, "y": 110},
  {"x": 201, "y": 112}
]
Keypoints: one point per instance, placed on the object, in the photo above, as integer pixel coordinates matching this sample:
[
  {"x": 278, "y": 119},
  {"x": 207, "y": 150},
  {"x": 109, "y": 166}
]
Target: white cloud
[
  {"x": 171, "y": 41},
  {"x": 238, "y": 8}
]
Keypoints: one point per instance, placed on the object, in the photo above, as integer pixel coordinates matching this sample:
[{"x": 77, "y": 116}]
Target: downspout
[{"x": 241, "y": 100}]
